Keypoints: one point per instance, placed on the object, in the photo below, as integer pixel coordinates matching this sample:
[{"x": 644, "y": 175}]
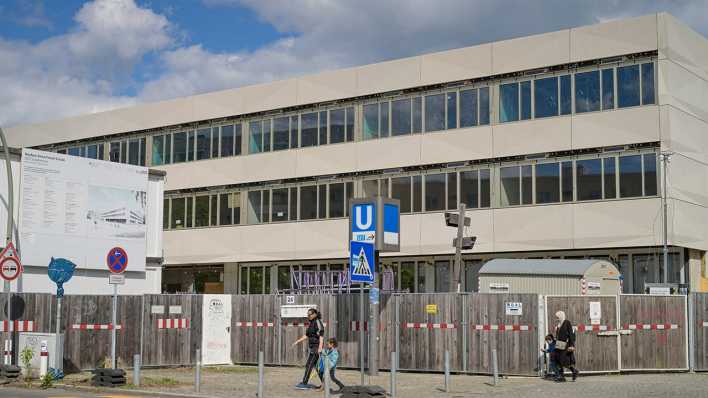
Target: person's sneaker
[
  {"x": 575, "y": 374},
  {"x": 560, "y": 380},
  {"x": 302, "y": 386}
]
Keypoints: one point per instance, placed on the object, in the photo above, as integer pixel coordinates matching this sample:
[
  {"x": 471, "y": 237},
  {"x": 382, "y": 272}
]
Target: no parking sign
[{"x": 117, "y": 260}]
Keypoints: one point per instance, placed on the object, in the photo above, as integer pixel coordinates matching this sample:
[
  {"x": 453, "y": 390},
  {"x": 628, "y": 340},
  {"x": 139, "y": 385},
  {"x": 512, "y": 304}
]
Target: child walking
[
  {"x": 332, "y": 354},
  {"x": 550, "y": 349}
]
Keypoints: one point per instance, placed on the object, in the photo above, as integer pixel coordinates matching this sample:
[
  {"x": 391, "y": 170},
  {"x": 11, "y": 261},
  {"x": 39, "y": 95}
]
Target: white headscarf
[{"x": 560, "y": 315}]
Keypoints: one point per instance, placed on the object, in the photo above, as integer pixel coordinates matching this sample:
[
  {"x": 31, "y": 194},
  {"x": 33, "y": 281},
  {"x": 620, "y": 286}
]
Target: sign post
[
  {"x": 117, "y": 261},
  {"x": 60, "y": 270},
  {"x": 374, "y": 225},
  {"x": 10, "y": 269}
]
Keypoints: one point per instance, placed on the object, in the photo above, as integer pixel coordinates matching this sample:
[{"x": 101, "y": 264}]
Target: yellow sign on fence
[{"x": 431, "y": 308}]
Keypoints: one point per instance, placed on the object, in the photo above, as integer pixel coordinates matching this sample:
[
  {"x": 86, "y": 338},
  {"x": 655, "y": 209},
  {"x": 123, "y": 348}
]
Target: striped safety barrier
[
  {"x": 173, "y": 323},
  {"x": 705, "y": 324},
  {"x": 503, "y": 328},
  {"x": 591, "y": 328},
  {"x": 95, "y": 326},
  {"x": 17, "y": 326},
  {"x": 254, "y": 324},
  {"x": 299, "y": 324},
  {"x": 651, "y": 326},
  {"x": 416, "y": 325}
]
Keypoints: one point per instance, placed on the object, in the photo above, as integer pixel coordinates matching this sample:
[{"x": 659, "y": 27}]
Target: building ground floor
[{"x": 430, "y": 273}]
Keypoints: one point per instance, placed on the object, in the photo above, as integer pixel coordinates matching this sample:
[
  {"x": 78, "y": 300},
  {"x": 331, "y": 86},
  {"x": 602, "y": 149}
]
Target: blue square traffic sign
[{"x": 362, "y": 262}]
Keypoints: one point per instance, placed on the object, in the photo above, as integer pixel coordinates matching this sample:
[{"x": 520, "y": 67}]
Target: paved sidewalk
[{"x": 241, "y": 382}]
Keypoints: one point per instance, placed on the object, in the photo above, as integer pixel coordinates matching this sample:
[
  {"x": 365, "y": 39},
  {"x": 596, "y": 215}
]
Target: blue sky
[{"x": 67, "y": 57}]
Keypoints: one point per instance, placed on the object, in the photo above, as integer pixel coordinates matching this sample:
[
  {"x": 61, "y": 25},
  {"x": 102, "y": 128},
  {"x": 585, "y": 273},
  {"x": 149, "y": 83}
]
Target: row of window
[
  {"x": 609, "y": 176},
  {"x": 605, "y": 88},
  {"x": 592, "y": 90}
]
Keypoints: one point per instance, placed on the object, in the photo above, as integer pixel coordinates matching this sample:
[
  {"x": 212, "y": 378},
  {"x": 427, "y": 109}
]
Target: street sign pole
[
  {"x": 117, "y": 261},
  {"x": 58, "y": 349},
  {"x": 458, "y": 247},
  {"x": 373, "y": 326},
  {"x": 361, "y": 331},
  {"x": 113, "y": 327}
]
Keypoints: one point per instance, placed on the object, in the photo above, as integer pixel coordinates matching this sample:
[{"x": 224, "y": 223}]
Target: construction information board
[{"x": 78, "y": 208}]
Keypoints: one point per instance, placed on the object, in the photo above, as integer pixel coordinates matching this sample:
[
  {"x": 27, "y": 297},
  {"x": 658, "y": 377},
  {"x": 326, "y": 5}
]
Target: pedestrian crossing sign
[{"x": 362, "y": 264}]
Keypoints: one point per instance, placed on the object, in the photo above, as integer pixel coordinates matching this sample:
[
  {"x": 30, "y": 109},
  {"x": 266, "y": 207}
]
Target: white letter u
[{"x": 359, "y": 222}]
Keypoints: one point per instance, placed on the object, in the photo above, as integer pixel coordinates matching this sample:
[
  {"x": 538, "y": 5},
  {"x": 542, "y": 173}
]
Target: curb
[{"x": 131, "y": 391}]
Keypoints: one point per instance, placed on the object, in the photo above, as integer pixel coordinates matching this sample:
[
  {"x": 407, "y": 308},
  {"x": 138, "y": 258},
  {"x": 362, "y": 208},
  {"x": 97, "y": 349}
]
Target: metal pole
[
  {"x": 113, "y": 327},
  {"x": 361, "y": 331},
  {"x": 458, "y": 247},
  {"x": 260, "y": 374},
  {"x": 10, "y": 223},
  {"x": 374, "y": 327},
  {"x": 136, "y": 370},
  {"x": 394, "y": 366},
  {"x": 465, "y": 330},
  {"x": 397, "y": 327},
  {"x": 495, "y": 367},
  {"x": 58, "y": 349},
  {"x": 447, "y": 371},
  {"x": 665, "y": 160},
  {"x": 198, "y": 372},
  {"x": 327, "y": 381}
]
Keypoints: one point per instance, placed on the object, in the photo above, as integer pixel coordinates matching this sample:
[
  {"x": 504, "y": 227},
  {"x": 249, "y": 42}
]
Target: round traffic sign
[
  {"x": 117, "y": 260},
  {"x": 10, "y": 268}
]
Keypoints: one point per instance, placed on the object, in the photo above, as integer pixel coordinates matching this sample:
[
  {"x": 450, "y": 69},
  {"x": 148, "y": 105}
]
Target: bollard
[
  {"x": 136, "y": 370},
  {"x": 198, "y": 372},
  {"x": 8, "y": 352},
  {"x": 43, "y": 359},
  {"x": 495, "y": 368},
  {"x": 327, "y": 381},
  {"x": 447, "y": 371},
  {"x": 394, "y": 365},
  {"x": 261, "y": 365}
]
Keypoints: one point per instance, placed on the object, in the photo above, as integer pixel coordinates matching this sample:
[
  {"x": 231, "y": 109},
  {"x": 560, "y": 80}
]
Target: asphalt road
[{"x": 13, "y": 392}]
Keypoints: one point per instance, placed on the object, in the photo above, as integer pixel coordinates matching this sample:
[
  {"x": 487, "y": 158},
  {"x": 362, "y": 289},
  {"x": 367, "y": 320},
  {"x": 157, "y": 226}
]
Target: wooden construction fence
[{"x": 699, "y": 316}]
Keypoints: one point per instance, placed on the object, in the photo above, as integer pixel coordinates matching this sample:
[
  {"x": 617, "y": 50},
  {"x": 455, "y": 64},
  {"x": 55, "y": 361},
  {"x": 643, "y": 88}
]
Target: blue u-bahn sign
[{"x": 376, "y": 220}]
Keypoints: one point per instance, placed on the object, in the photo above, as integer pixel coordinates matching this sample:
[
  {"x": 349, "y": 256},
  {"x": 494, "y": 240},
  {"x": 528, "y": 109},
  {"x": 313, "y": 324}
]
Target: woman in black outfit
[
  {"x": 315, "y": 342},
  {"x": 565, "y": 347}
]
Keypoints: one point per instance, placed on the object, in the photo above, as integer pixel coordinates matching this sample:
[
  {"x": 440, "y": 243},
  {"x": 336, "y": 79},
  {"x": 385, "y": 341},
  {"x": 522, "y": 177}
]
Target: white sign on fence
[
  {"x": 595, "y": 312},
  {"x": 175, "y": 309},
  {"x": 157, "y": 309},
  {"x": 216, "y": 329},
  {"x": 498, "y": 287},
  {"x": 295, "y": 310},
  {"x": 514, "y": 309}
]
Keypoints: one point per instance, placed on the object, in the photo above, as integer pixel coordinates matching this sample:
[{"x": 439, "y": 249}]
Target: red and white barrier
[
  {"x": 651, "y": 326},
  {"x": 415, "y": 325},
  {"x": 299, "y": 324},
  {"x": 17, "y": 326},
  {"x": 503, "y": 328},
  {"x": 180, "y": 323},
  {"x": 705, "y": 324},
  {"x": 8, "y": 352},
  {"x": 591, "y": 328},
  {"x": 254, "y": 324},
  {"x": 95, "y": 326}
]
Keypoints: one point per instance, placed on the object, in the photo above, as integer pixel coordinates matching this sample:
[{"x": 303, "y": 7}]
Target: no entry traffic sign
[
  {"x": 117, "y": 260},
  {"x": 10, "y": 268}
]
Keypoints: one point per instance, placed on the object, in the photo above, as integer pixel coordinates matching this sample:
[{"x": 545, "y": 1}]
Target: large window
[
  {"x": 587, "y": 91},
  {"x": 281, "y": 133},
  {"x": 435, "y": 112},
  {"x": 201, "y": 211},
  {"x": 516, "y": 185},
  {"x": 608, "y": 89},
  {"x": 401, "y": 189},
  {"x": 589, "y": 179},
  {"x": 203, "y": 143},
  {"x": 308, "y": 202},
  {"x": 227, "y": 141},
  {"x": 508, "y": 102},
  {"x": 337, "y": 200},
  {"x": 548, "y": 183},
  {"x": 279, "y": 205},
  {"x": 180, "y": 147},
  {"x": 566, "y": 95},
  {"x": 451, "y": 104},
  {"x": 435, "y": 193},
  {"x": 177, "y": 220},
  {"x": 648, "y": 95},
  {"x": 371, "y": 121},
  {"x": 401, "y": 117},
  {"x": 546, "y": 97},
  {"x": 309, "y": 125},
  {"x": 469, "y": 108},
  {"x": 255, "y": 137},
  {"x": 337, "y": 131},
  {"x": 637, "y": 175},
  {"x": 628, "y": 92}
]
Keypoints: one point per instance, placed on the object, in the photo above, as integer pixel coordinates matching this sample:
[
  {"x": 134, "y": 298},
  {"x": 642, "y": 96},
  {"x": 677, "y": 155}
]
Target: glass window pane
[
  {"x": 401, "y": 117},
  {"x": 468, "y": 108},
  {"x": 336, "y": 200},
  {"x": 244, "y": 280},
  {"x": 417, "y": 115},
  {"x": 281, "y": 133},
  {"x": 525, "y": 100},
  {"x": 451, "y": 191},
  {"x": 484, "y": 106},
  {"x": 255, "y": 207},
  {"x": 442, "y": 276},
  {"x": 628, "y": 86},
  {"x": 608, "y": 89},
  {"x": 158, "y": 150},
  {"x": 323, "y": 128},
  {"x": 508, "y": 102},
  {"x": 92, "y": 151},
  {"x": 255, "y": 280},
  {"x": 408, "y": 276},
  {"x": 279, "y": 207},
  {"x": 650, "y": 174},
  {"x": 266, "y": 135},
  {"x": 308, "y": 202},
  {"x": 191, "y": 142},
  {"x": 370, "y": 187},
  {"x": 134, "y": 152},
  {"x": 215, "y": 142},
  {"x": 510, "y": 186},
  {"x": 610, "y": 177},
  {"x": 190, "y": 208},
  {"x": 143, "y": 151},
  {"x": 293, "y": 203},
  {"x": 469, "y": 185},
  {"x": 371, "y": 121},
  {"x": 336, "y": 127},
  {"x": 350, "y": 195},
  {"x": 417, "y": 193},
  {"x": 546, "y": 97},
  {"x": 435, "y": 112},
  {"x": 62, "y": 151},
  {"x": 548, "y": 183},
  {"x": 322, "y": 201},
  {"x": 75, "y": 151},
  {"x": 526, "y": 185},
  {"x": 283, "y": 277},
  {"x": 630, "y": 169},
  {"x": 567, "y": 180},
  {"x": 452, "y": 110},
  {"x": 350, "y": 124},
  {"x": 485, "y": 191},
  {"x": 214, "y": 199},
  {"x": 308, "y": 135},
  {"x": 255, "y": 138},
  {"x": 201, "y": 211},
  {"x": 435, "y": 192},
  {"x": 227, "y": 141},
  {"x": 203, "y": 143},
  {"x": 383, "y": 124},
  {"x": 589, "y": 179},
  {"x": 566, "y": 97},
  {"x": 587, "y": 92},
  {"x": 401, "y": 190},
  {"x": 237, "y": 138},
  {"x": 648, "y": 96},
  {"x": 265, "y": 210},
  {"x": 230, "y": 209},
  {"x": 123, "y": 152},
  {"x": 165, "y": 213},
  {"x": 294, "y": 131},
  {"x": 177, "y": 213}
]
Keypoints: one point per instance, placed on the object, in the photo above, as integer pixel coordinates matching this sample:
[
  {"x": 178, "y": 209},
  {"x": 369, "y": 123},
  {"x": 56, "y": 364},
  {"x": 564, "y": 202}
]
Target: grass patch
[
  {"x": 230, "y": 369},
  {"x": 148, "y": 381}
]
